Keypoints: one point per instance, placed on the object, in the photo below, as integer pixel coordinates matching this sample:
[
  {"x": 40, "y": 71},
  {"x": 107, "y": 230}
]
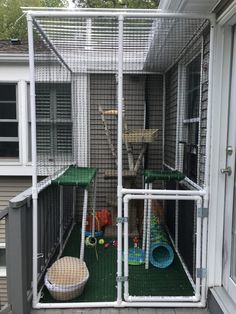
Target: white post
[
  {"x": 209, "y": 107},
  {"x": 148, "y": 229},
  {"x": 83, "y": 224},
  {"x": 61, "y": 219},
  {"x": 126, "y": 248},
  {"x": 163, "y": 119},
  {"x": 94, "y": 206},
  {"x": 74, "y": 205},
  {"x": 144, "y": 221},
  {"x": 119, "y": 157},
  {"x": 177, "y": 221},
  {"x": 198, "y": 249},
  {"x": 34, "y": 159}
]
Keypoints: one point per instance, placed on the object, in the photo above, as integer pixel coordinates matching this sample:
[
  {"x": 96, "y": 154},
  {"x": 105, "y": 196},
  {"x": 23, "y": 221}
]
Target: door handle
[{"x": 227, "y": 170}]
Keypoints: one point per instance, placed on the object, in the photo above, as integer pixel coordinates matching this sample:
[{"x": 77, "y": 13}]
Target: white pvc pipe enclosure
[{"x": 122, "y": 193}]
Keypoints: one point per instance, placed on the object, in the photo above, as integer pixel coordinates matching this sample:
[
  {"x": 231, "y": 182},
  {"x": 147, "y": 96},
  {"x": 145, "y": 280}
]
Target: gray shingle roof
[{"x": 7, "y": 47}]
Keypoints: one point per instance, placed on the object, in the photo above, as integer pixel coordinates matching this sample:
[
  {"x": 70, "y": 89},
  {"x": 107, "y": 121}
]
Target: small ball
[{"x": 101, "y": 241}]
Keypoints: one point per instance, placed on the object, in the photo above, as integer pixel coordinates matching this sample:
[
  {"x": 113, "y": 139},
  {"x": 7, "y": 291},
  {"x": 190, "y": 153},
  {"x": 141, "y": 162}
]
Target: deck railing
[{"x": 19, "y": 240}]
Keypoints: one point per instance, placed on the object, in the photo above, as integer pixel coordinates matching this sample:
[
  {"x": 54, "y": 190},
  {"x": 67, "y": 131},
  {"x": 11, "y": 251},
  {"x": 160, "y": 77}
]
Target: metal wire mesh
[{"x": 164, "y": 118}]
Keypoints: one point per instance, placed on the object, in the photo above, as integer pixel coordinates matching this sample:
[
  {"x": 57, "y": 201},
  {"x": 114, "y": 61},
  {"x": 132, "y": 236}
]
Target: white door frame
[
  {"x": 220, "y": 101},
  {"x": 228, "y": 283}
]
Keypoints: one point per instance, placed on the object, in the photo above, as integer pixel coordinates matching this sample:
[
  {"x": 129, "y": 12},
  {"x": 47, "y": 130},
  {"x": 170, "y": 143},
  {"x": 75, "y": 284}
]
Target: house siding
[
  {"x": 171, "y": 116},
  {"x": 204, "y": 102},
  {"x": 103, "y": 92},
  {"x": 3, "y": 291}
]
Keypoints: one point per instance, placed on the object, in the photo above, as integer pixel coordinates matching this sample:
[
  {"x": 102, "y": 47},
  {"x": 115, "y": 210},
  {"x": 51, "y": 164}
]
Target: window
[
  {"x": 191, "y": 121},
  {"x": 9, "y": 140},
  {"x": 54, "y": 121},
  {"x": 2, "y": 260}
]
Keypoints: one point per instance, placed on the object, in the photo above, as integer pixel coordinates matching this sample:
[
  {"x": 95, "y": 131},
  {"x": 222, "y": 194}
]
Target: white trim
[
  {"x": 220, "y": 98},
  {"x": 3, "y": 269},
  {"x": 192, "y": 120},
  {"x": 23, "y": 121},
  {"x": 14, "y": 169},
  {"x": 116, "y": 13},
  {"x": 228, "y": 283},
  {"x": 229, "y": 15}
]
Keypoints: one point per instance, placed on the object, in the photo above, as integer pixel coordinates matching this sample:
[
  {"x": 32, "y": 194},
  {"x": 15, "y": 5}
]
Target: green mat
[
  {"x": 101, "y": 286},
  {"x": 78, "y": 176},
  {"x": 166, "y": 175}
]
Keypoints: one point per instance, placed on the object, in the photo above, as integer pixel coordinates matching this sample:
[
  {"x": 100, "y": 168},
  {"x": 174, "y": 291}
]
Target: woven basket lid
[{"x": 68, "y": 271}]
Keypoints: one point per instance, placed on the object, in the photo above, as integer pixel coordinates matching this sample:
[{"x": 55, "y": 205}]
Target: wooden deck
[{"x": 124, "y": 311}]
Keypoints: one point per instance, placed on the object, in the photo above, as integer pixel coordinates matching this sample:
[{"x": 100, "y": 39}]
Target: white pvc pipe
[
  {"x": 177, "y": 221},
  {"x": 34, "y": 160},
  {"x": 148, "y": 229},
  {"x": 204, "y": 259},
  {"x": 126, "y": 14},
  {"x": 163, "y": 192},
  {"x": 61, "y": 219},
  {"x": 162, "y": 197},
  {"x": 85, "y": 206},
  {"x": 126, "y": 249},
  {"x": 117, "y": 305},
  {"x": 119, "y": 156},
  {"x": 94, "y": 205},
  {"x": 198, "y": 249},
  {"x": 74, "y": 305},
  {"x": 162, "y": 299},
  {"x": 209, "y": 106},
  {"x": 163, "y": 119},
  {"x": 144, "y": 221},
  {"x": 74, "y": 204}
]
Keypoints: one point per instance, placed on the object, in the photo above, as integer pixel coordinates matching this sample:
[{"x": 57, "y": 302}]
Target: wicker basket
[
  {"x": 140, "y": 135},
  {"x": 66, "y": 278}
]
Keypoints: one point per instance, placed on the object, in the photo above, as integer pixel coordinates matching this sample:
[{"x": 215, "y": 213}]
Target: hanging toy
[{"x": 91, "y": 242}]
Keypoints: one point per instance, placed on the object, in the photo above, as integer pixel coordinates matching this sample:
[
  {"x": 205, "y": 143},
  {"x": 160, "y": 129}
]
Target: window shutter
[
  {"x": 42, "y": 102},
  {"x": 64, "y": 139},
  {"x": 63, "y": 100},
  {"x": 54, "y": 124},
  {"x": 43, "y": 139}
]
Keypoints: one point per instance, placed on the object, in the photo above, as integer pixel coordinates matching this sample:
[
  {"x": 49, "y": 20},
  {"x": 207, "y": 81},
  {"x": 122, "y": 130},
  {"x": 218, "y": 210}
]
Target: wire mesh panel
[{"x": 164, "y": 129}]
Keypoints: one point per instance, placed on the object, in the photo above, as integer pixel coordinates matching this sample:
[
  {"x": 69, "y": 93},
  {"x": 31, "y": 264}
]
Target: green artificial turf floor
[{"x": 101, "y": 286}]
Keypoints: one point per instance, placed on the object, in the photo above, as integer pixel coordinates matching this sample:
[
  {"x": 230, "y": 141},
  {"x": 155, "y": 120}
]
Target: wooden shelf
[{"x": 112, "y": 174}]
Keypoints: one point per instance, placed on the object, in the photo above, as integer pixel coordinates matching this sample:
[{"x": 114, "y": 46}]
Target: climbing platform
[
  {"x": 165, "y": 175},
  {"x": 140, "y": 135},
  {"x": 76, "y": 176}
]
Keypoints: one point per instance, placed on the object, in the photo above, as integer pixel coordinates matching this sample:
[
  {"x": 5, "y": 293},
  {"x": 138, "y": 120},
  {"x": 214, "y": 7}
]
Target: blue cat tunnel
[{"x": 161, "y": 254}]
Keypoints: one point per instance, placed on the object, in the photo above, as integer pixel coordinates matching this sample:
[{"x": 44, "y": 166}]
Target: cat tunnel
[{"x": 155, "y": 240}]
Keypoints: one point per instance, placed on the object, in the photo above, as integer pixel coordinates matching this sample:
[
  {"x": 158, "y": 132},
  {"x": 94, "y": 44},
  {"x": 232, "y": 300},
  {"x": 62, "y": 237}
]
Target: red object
[
  {"x": 104, "y": 217},
  {"x": 106, "y": 245}
]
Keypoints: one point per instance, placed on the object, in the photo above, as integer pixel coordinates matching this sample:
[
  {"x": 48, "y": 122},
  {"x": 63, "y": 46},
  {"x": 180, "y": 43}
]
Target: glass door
[{"x": 229, "y": 250}]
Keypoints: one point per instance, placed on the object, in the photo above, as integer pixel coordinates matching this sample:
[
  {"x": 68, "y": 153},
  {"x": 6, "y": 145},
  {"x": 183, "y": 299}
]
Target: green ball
[{"x": 101, "y": 241}]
